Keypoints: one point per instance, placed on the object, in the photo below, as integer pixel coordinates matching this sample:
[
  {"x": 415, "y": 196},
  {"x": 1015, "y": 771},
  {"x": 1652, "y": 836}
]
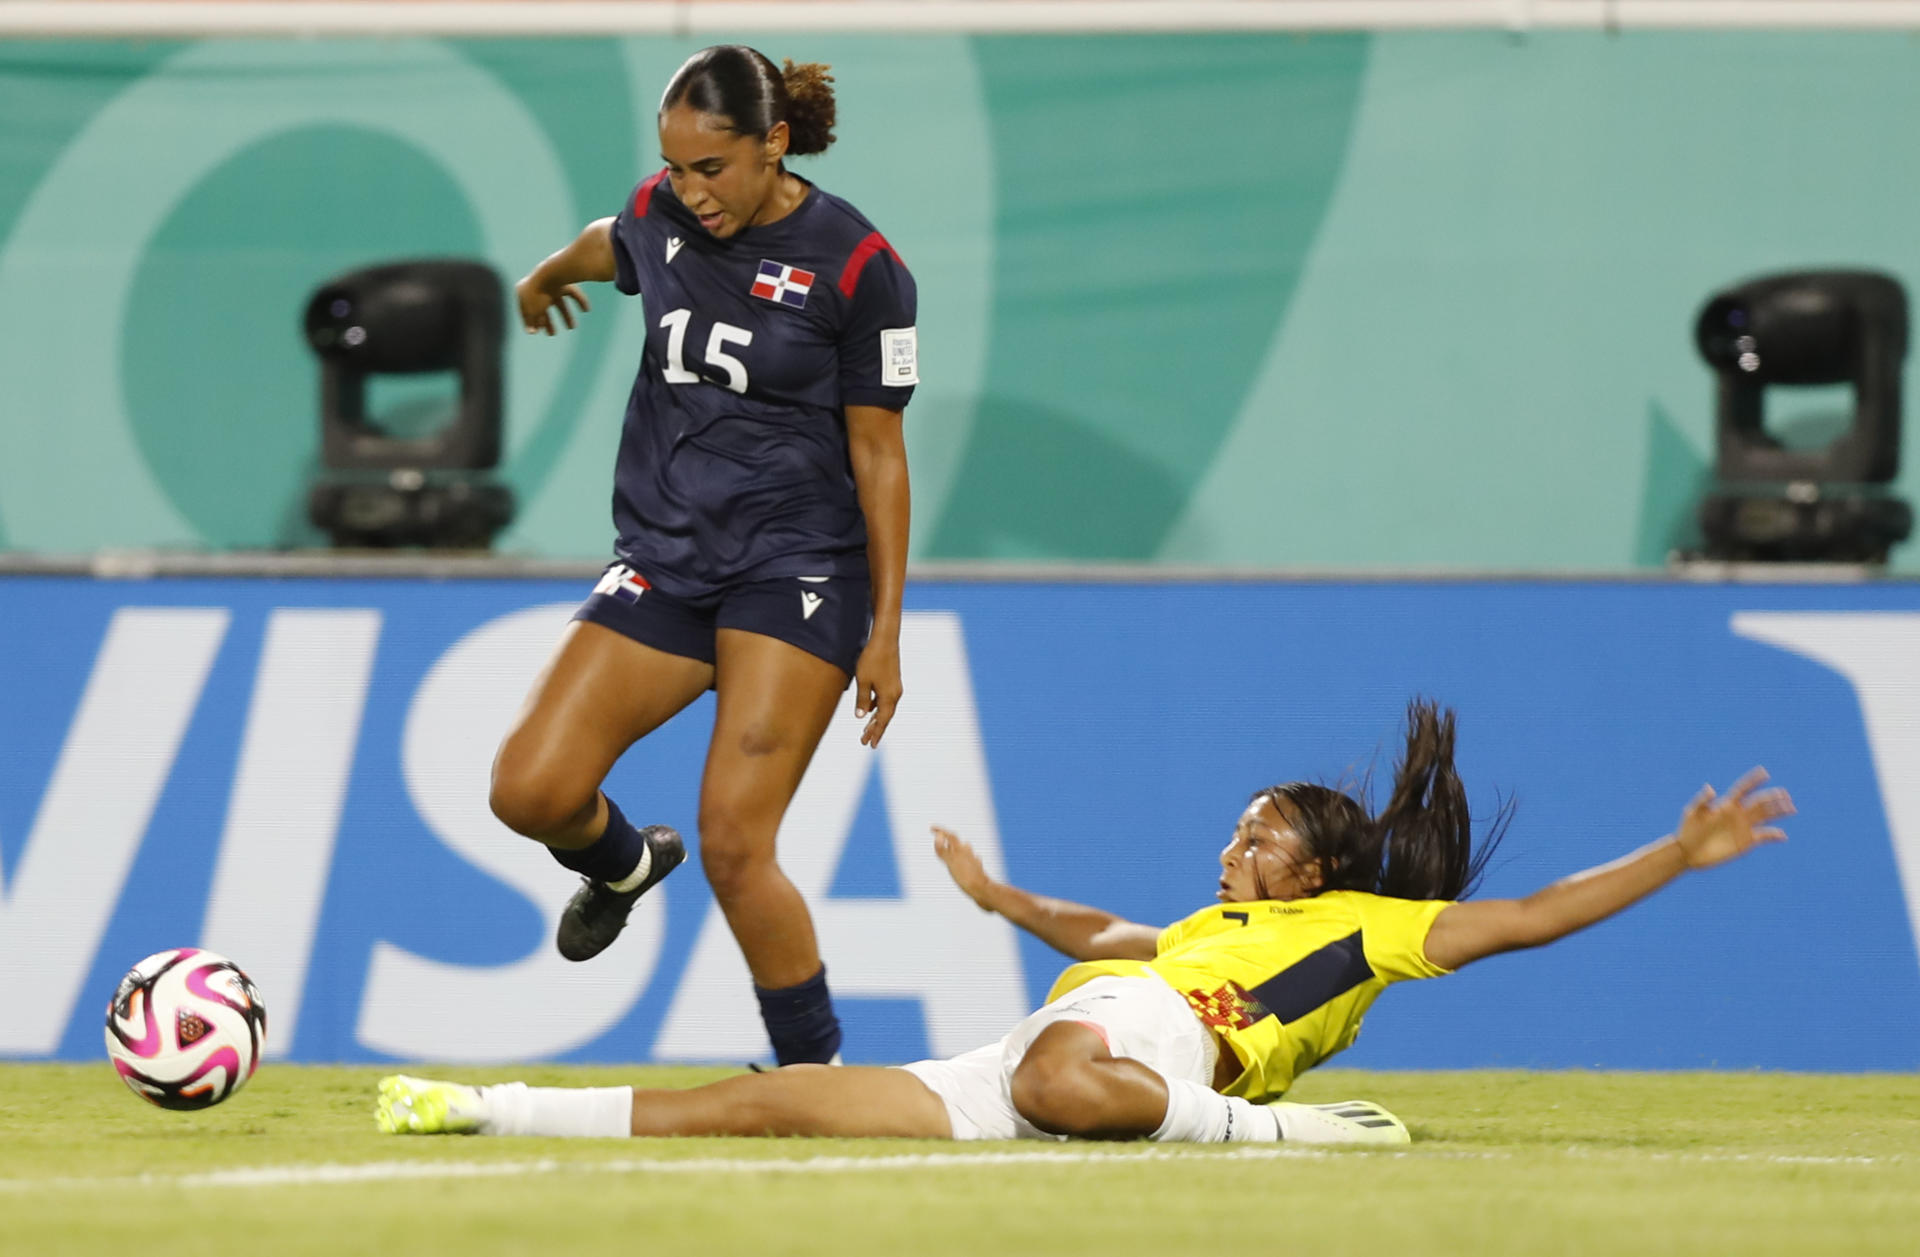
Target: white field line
[
  {"x": 1739, "y": 1158},
  {"x": 395, "y": 1171},
  {"x": 382, "y": 1171}
]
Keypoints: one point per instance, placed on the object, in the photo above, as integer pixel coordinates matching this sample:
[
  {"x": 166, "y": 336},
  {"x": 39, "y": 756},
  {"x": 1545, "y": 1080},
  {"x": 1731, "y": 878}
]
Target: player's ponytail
[
  {"x": 810, "y": 108},
  {"x": 1426, "y": 831},
  {"x": 1421, "y": 845},
  {"x": 740, "y": 85}
]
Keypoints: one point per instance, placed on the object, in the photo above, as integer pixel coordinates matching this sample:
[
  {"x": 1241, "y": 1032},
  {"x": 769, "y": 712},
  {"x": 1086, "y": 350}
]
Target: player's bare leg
[
  {"x": 599, "y": 694},
  {"x": 854, "y": 1102},
  {"x": 775, "y": 701},
  {"x": 1069, "y": 1083},
  {"x": 851, "y": 1102}
]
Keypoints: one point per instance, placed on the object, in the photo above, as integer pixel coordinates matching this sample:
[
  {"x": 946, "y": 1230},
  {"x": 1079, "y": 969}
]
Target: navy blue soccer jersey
[{"x": 733, "y": 460}]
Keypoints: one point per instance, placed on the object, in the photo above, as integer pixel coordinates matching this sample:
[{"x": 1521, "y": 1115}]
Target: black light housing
[
  {"x": 409, "y": 318},
  {"x": 1810, "y": 505}
]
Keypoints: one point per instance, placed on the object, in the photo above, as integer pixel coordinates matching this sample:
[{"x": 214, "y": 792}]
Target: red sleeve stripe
[
  {"x": 644, "y": 195},
  {"x": 862, "y": 252}
]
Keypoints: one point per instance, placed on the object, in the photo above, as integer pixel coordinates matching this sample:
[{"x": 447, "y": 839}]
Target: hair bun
[{"x": 811, "y": 112}]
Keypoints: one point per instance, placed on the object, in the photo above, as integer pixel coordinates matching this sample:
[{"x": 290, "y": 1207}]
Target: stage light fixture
[
  {"x": 382, "y": 489},
  {"x": 1823, "y": 504}
]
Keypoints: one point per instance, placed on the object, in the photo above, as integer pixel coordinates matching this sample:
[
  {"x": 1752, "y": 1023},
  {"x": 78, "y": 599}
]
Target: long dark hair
[
  {"x": 1421, "y": 844},
  {"x": 739, "y": 84}
]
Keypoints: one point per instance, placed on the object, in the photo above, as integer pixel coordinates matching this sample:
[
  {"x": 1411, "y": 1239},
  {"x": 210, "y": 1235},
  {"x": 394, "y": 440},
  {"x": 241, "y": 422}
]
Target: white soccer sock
[
  {"x": 1197, "y": 1114},
  {"x": 639, "y": 874},
  {"x": 514, "y": 1108}
]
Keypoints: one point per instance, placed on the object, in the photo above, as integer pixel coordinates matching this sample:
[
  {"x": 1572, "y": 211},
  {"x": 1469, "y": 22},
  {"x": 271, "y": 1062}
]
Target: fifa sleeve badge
[{"x": 899, "y": 356}]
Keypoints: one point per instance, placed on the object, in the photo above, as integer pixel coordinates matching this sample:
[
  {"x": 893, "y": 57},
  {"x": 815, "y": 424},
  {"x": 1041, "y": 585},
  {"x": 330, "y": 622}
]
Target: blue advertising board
[{"x": 293, "y": 772}]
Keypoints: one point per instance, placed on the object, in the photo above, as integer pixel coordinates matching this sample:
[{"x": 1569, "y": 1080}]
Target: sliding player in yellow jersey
[{"x": 1191, "y": 1032}]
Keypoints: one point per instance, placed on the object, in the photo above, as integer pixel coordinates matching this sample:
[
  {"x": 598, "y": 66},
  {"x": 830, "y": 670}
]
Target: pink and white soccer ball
[{"x": 185, "y": 1028}]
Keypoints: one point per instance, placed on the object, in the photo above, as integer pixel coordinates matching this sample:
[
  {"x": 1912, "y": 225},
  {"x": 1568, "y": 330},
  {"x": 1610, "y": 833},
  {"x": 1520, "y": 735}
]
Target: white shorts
[{"x": 1141, "y": 1018}]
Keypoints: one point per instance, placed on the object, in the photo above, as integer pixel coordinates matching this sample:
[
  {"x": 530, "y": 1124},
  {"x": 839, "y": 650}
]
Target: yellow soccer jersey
[{"x": 1284, "y": 984}]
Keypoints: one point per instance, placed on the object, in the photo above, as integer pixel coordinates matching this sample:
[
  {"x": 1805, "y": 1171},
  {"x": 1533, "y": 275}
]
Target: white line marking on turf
[
  {"x": 381, "y": 1171},
  {"x": 392, "y": 1171},
  {"x": 1753, "y": 1158}
]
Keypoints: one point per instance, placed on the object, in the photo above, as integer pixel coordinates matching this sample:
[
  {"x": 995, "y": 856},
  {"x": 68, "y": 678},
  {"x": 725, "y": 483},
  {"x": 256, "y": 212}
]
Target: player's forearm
[
  {"x": 587, "y": 258},
  {"x": 1071, "y": 928},
  {"x": 1575, "y": 902},
  {"x": 880, "y": 478}
]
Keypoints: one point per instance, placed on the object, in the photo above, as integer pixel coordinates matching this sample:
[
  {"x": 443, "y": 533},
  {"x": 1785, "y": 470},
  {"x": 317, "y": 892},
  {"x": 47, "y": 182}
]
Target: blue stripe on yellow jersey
[{"x": 1284, "y": 984}]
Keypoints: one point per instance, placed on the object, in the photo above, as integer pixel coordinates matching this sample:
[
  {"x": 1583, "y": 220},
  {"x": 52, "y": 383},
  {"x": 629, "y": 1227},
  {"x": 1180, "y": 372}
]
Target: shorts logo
[
  {"x": 810, "y": 601},
  {"x": 622, "y": 582},
  {"x": 782, "y": 284}
]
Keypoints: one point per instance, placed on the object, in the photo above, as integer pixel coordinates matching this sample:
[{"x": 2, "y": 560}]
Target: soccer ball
[{"x": 185, "y": 1028}]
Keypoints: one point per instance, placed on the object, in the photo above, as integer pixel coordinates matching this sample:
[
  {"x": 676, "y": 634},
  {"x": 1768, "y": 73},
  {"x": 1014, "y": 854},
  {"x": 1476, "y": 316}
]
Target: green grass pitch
[{"x": 1502, "y": 1163}]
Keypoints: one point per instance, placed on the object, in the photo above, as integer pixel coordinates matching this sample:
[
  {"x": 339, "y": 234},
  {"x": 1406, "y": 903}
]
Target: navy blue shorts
[{"x": 824, "y": 616}]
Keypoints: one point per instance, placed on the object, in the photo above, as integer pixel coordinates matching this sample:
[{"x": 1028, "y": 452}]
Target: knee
[
  {"x": 762, "y": 738},
  {"x": 1059, "y": 1096},
  {"x": 537, "y": 802},
  {"x": 730, "y": 854}
]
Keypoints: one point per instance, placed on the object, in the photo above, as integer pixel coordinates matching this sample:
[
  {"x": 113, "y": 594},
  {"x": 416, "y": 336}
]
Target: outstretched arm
[
  {"x": 1712, "y": 831},
  {"x": 1081, "y": 932},
  {"x": 587, "y": 258}
]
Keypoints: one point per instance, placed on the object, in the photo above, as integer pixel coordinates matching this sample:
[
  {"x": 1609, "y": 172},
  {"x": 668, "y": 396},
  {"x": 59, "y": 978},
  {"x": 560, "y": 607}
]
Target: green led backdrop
[{"x": 1251, "y": 299}]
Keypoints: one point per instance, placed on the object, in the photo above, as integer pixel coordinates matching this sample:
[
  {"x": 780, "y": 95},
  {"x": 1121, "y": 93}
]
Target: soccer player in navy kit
[{"x": 761, "y": 501}]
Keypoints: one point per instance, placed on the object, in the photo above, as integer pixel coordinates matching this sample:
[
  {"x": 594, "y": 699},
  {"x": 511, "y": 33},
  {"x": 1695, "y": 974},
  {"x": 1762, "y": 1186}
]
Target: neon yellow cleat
[
  {"x": 422, "y": 1106},
  {"x": 1348, "y": 1122}
]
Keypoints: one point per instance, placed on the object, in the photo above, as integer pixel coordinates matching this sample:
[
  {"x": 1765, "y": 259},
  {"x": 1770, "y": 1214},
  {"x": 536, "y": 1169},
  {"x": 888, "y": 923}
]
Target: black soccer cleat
[{"x": 596, "y": 914}]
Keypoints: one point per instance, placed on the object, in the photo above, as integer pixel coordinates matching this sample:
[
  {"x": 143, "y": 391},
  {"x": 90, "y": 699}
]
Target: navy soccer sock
[
  {"x": 800, "y": 1021},
  {"x": 613, "y": 855}
]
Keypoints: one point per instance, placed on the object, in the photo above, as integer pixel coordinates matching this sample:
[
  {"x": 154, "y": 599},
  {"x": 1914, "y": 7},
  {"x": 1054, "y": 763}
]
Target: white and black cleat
[
  {"x": 1348, "y": 1122},
  {"x": 597, "y": 913}
]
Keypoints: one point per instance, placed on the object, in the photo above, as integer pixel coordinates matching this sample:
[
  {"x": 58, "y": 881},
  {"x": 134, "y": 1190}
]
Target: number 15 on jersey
[{"x": 717, "y": 357}]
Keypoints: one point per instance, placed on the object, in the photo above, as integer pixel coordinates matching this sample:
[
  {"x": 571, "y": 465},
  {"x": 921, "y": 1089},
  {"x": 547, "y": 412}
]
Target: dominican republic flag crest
[{"x": 788, "y": 285}]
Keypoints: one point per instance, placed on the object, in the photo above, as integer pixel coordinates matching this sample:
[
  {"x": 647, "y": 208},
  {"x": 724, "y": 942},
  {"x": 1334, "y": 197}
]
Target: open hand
[
  {"x": 963, "y": 865},
  {"x": 876, "y": 686},
  {"x": 1715, "y": 829},
  {"x": 538, "y": 299}
]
